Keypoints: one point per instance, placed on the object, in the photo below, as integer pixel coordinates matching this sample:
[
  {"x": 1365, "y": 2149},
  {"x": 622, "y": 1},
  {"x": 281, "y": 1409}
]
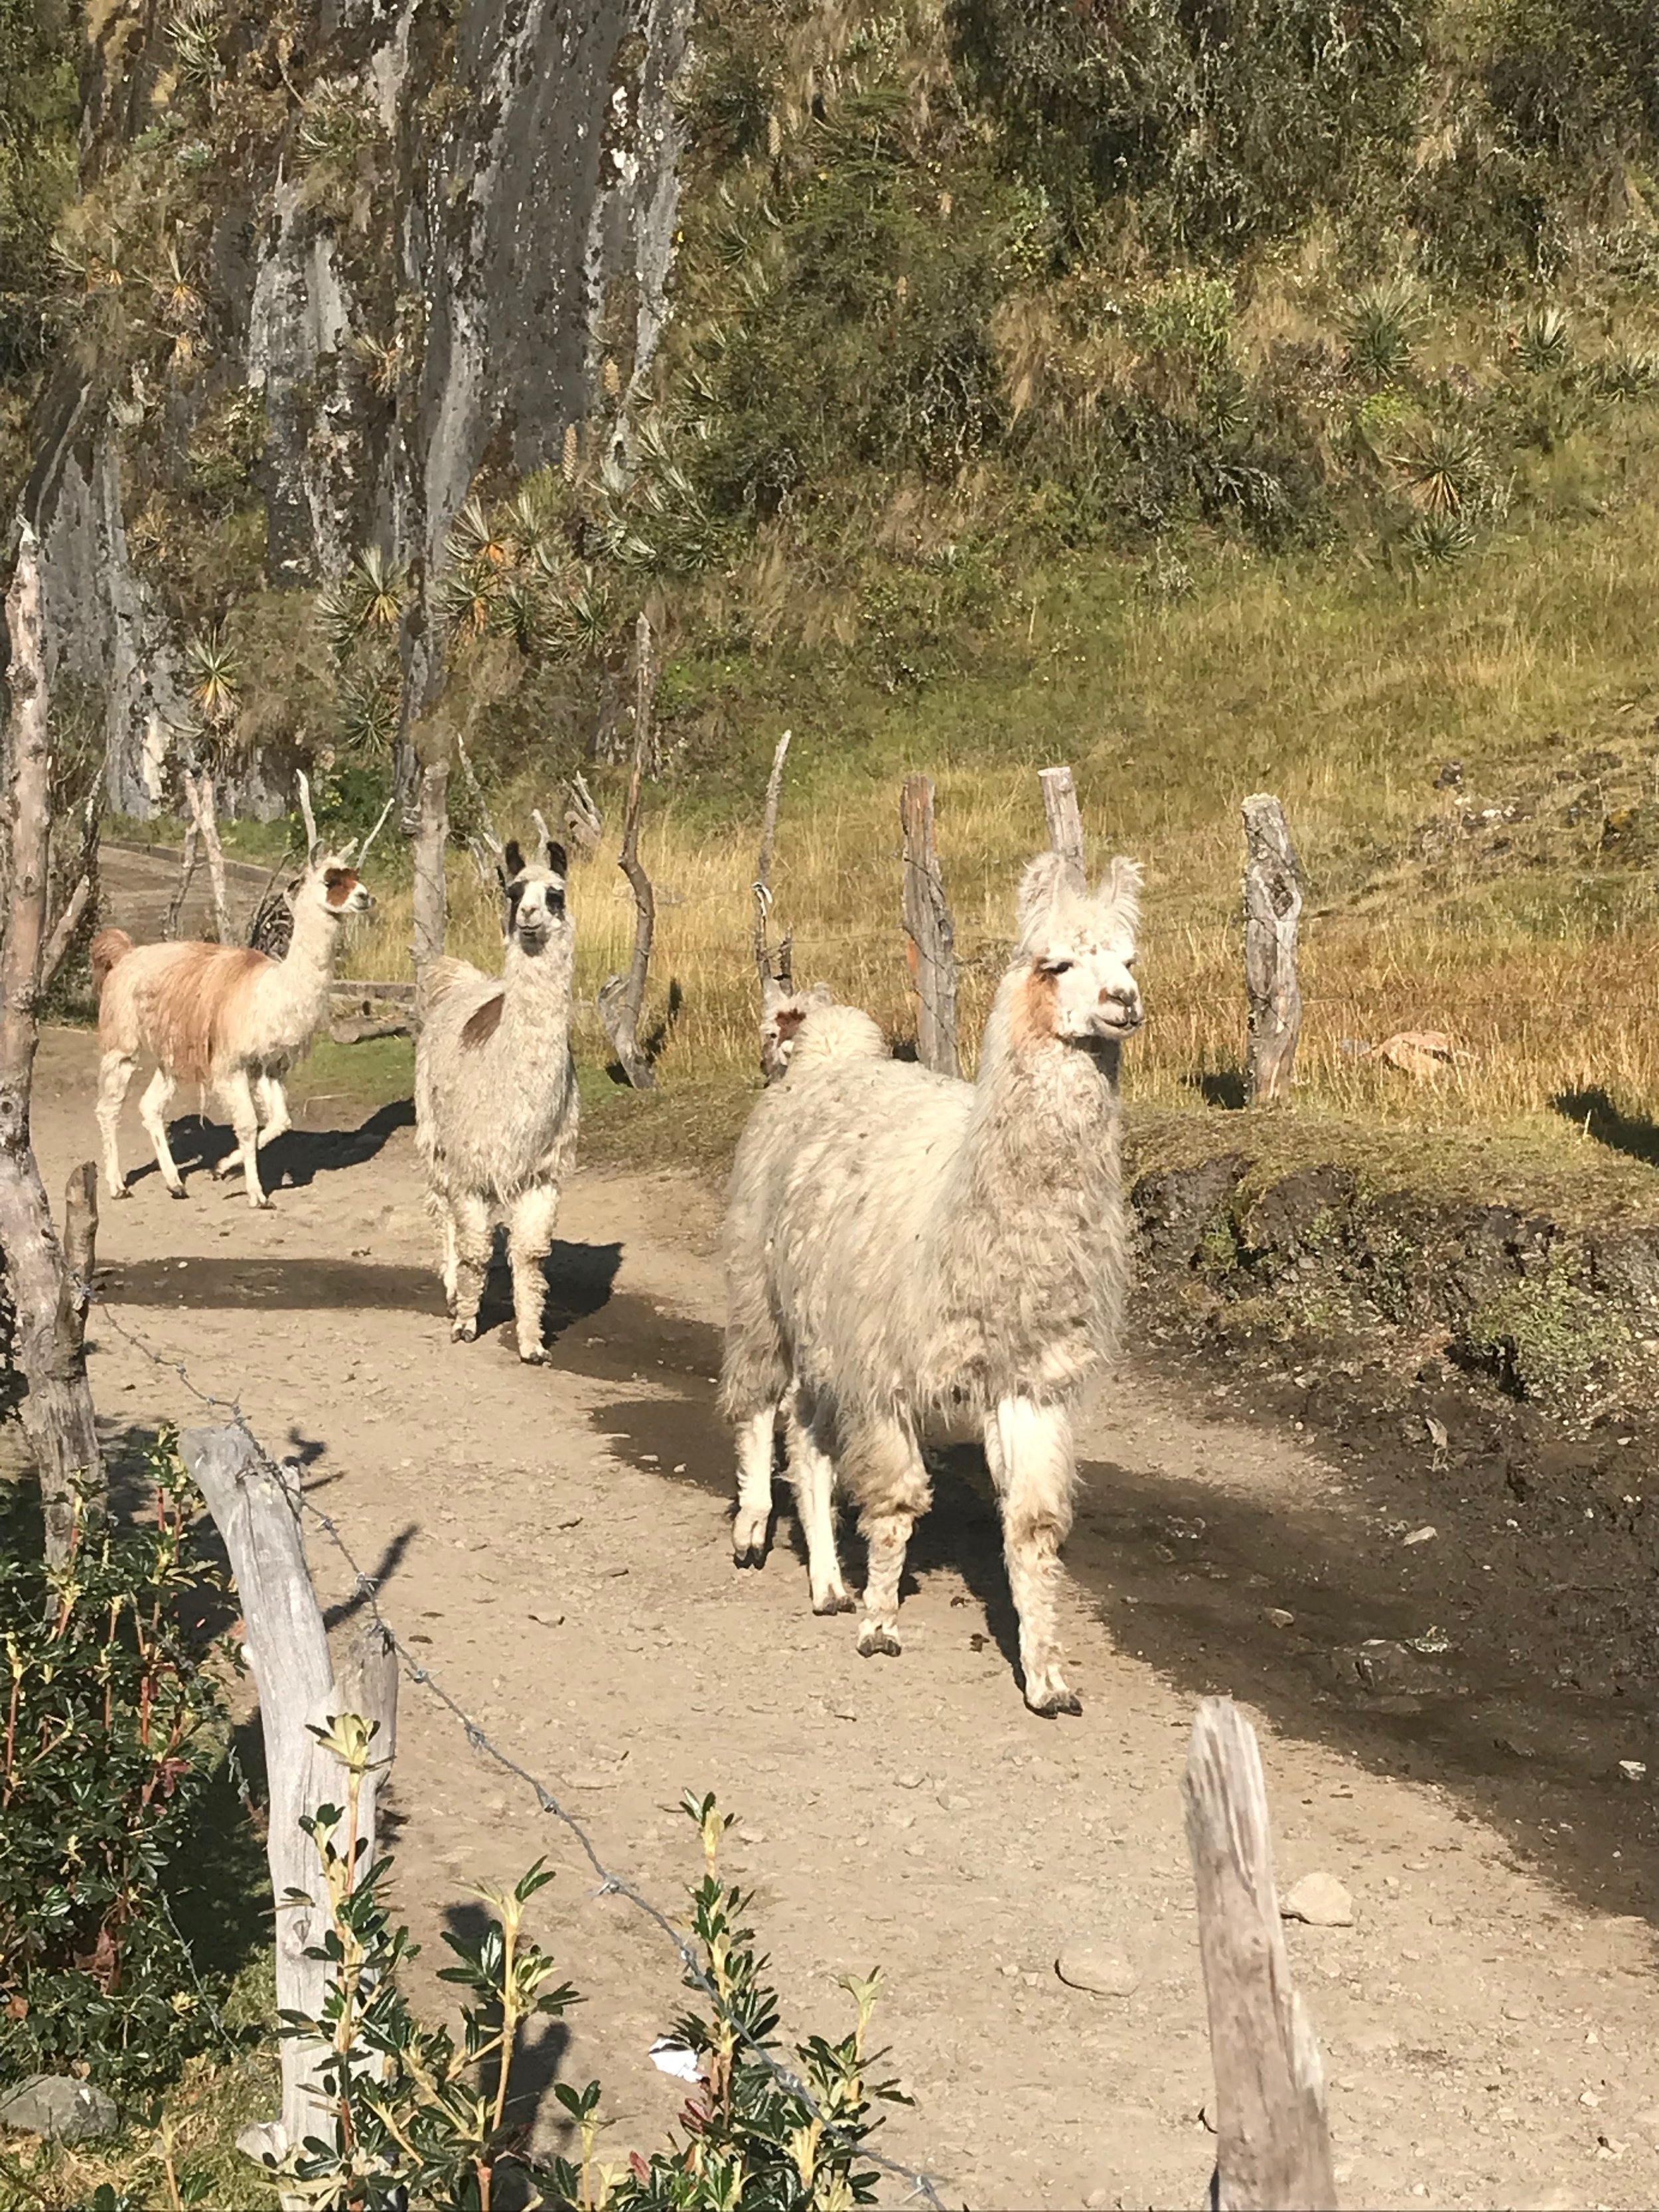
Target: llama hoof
[
  {"x": 749, "y": 1555},
  {"x": 259, "y": 1205},
  {"x": 464, "y": 1331},
  {"x": 123, "y": 1192},
  {"x": 877, "y": 1643},
  {"x": 749, "y": 1533},
  {"x": 175, "y": 1190},
  {"x": 538, "y": 1358},
  {"x": 835, "y": 1600},
  {"x": 1052, "y": 1699}
]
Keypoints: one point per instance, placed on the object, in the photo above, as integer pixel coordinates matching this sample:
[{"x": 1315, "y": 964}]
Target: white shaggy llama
[
  {"x": 223, "y": 1016},
  {"x": 496, "y": 1103},
  {"x": 904, "y": 1250}
]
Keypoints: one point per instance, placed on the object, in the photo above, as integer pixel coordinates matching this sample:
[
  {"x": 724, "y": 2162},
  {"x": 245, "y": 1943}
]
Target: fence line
[{"x": 611, "y": 1884}]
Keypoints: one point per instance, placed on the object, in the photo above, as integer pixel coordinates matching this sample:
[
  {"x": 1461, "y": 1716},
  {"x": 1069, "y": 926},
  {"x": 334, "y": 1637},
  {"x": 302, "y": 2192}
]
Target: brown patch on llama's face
[
  {"x": 1033, "y": 1018},
  {"x": 338, "y": 885},
  {"x": 788, "y": 1021},
  {"x": 482, "y": 1024}
]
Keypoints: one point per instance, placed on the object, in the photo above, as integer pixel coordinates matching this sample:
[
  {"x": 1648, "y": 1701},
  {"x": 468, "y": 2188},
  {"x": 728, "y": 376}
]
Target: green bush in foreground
[
  {"x": 423, "y": 2117},
  {"x": 112, "y": 1729}
]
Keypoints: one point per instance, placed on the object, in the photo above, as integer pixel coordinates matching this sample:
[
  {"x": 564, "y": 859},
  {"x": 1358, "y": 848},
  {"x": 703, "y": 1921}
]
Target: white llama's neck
[
  {"x": 1028, "y": 1213},
  {"x": 537, "y": 987},
  {"x": 307, "y": 968}
]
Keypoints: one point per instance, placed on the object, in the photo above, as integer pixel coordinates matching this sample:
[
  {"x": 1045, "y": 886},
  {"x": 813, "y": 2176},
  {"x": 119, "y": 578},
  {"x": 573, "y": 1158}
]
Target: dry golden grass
[{"x": 1339, "y": 685}]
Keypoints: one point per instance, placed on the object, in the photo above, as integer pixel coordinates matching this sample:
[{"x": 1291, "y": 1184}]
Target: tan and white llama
[
  {"x": 905, "y": 1252},
  {"x": 496, "y": 1102},
  {"x": 225, "y": 1017}
]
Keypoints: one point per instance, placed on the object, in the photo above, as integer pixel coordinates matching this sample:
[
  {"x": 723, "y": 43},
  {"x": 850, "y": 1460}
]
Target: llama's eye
[{"x": 1058, "y": 966}]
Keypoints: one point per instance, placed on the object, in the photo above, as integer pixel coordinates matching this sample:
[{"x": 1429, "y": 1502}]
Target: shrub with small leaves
[
  {"x": 113, "y": 1724},
  {"x": 423, "y": 2115}
]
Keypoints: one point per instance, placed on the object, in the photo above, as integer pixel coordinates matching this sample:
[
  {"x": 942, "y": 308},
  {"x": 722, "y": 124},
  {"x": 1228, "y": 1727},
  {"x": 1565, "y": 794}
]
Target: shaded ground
[{"x": 555, "y": 1542}]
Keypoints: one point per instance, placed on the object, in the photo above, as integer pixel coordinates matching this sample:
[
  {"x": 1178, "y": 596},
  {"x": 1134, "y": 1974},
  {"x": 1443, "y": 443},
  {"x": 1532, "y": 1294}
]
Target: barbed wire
[{"x": 366, "y": 1587}]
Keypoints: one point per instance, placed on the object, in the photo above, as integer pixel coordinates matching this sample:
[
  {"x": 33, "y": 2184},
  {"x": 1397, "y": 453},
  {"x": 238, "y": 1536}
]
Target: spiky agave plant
[
  {"x": 212, "y": 674},
  {"x": 1543, "y": 344},
  {"x": 369, "y": 598},
  {"x": 1381, "y": 325},
  {"x": 1445, "y": 469},
  {"x": 193, "y": 32},
  {"x": 1439, "y": 540}
]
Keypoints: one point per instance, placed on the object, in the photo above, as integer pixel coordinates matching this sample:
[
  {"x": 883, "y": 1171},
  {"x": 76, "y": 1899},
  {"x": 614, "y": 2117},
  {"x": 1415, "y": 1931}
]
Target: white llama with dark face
[
  {"x": 904, "y": 1249},
  {"x": 496, "y": 1102}
]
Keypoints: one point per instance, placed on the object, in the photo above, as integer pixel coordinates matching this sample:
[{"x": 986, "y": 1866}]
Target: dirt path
[{"x": 560, "y": 1536}]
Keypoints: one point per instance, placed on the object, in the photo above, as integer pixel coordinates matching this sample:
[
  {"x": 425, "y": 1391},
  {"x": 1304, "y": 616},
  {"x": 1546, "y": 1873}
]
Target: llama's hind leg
[
  {"x": 114, "y": 1074},
  {"x": 1028, "y": 1450},
  {"x": 153, "y": 1113},
  {"x": 237, "y": 1091},
  {"x": 272, "y": 1099},
  {"x": 813, "y": 1474},
  {"x": 468, "y": 1235},
  {"x": 887, "y": 1475},
  {"x": 757, "y": 1433},
  {"x": 529, "y": 1241}
]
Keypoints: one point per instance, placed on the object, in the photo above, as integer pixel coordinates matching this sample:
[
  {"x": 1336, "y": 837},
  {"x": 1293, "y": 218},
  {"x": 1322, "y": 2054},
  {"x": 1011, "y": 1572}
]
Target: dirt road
[{"x": 556, "y": 1540}]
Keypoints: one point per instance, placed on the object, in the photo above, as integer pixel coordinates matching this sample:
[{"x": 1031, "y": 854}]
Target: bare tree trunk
[
  {"x": 621, "y": 1001},
  {"x": 431, "y": 843},
  {"x": 256, "y": 1512},
  {"x": 1065, "y": 822},
  {"x": 57, "y": 1410},
  {"x": 181, "y": 889},
  {"x": 203, "y": 801},
  {"x": 645, "y": 697},
  {"x": 1273, "y": 907},
  {"x": 63, "y": 935},
  {"x": 1272, "y": 2147},
  {"x": 776, "y": 969},
  {"x": 928, "y": 926}
]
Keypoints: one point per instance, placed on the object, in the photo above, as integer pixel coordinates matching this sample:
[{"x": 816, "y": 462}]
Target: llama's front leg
[
  {"x": 886, "y": 1473},
  {"x": 529, "y": 1241},
  {"x": 468, "y": 1237},
  {"x": 153, "y": 1113},
  {"x": 813, "y": 1474},
  {"x": 272, "y": 1099},
  {"x": 1028, "y": 1450},
  {"x": 756, "y": 1433},
  {"x": 114, "y": 1074},
  {"x": 451, "y": 1260},
  {"x": 237, "y": 1092}
]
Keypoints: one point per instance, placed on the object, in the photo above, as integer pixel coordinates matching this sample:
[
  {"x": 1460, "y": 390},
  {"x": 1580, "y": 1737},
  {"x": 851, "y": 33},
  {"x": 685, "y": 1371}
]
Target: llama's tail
[{"x": 107, "y": 947}]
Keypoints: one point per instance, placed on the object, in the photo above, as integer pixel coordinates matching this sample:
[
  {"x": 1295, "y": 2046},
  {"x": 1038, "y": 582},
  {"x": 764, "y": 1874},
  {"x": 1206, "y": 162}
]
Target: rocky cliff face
[{"x": 339, "y": 260}]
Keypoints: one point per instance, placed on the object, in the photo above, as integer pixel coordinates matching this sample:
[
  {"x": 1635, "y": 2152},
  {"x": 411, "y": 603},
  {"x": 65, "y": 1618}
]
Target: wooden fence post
[
  {"x": 775, "y": 969},
  {"x": 1065, "y": 822},
  {"x": 56, "y": 1409},
  {"x": 621, "y": 998},
  {"x": 1273, "y": 907},
  {"x": 257, "y": 1516},
  {"x": 1272, "y": 2148},
  {"x": 932, "y": 937}
]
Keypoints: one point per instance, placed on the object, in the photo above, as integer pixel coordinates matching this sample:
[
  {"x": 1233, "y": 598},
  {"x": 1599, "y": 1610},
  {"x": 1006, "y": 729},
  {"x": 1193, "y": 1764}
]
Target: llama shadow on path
[
  {"x": 1636, "y": 1135},
  {"x": 296, "y": 1158}
]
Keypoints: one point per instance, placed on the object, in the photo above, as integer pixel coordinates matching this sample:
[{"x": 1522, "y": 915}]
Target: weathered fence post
[
  {"x": 256, "y": 1514},
  {"x": 774, "y": 969},
  {"x": 1273, "y": 907},
  {"x": 1272, "y": 2148},
  {"x": 1065, "y": 822},
  {"x": 927, "y": 924},
  {"x": 57, "y": 1410},
  {"x": 621, "y": 998}
]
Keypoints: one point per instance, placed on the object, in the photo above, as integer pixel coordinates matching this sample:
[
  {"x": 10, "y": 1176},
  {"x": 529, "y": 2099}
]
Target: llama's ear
[
  {"x": 773, "y": 995},
  {"x": 557, "y": 864},
  {"x": 513, "y": 859},
  {"x": 1120, "y": 888},
  {"x": 1039, "y": 888},
  {"x": 821, "y": 995}
]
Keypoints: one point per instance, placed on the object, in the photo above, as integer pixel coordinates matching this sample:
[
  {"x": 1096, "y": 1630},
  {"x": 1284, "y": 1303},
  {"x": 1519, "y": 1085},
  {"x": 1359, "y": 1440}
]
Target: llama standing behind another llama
[
  {"x": 904, "y": 1249},
  {"x": 496, "y": 1102},
  {"x": 229, "y": 1018}
]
